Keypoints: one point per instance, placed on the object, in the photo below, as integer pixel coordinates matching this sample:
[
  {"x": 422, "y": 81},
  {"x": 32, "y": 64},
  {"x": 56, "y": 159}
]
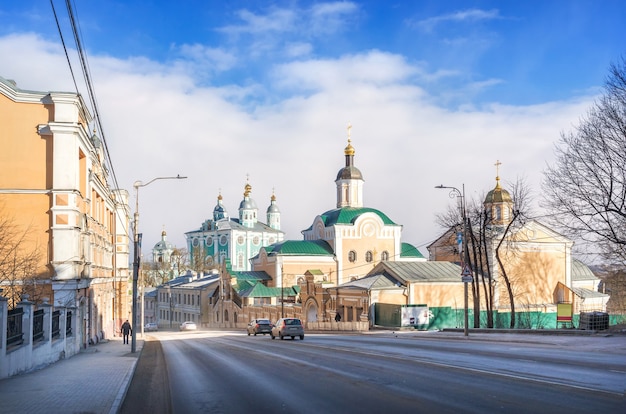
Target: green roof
[
  {"x": 250, "y": 275},
  {"x": 259, "y": 290},
  {"x": 408, "y": 250},
  {"x": 300, "y": 248},
  {"x": 347, "y": 215}
]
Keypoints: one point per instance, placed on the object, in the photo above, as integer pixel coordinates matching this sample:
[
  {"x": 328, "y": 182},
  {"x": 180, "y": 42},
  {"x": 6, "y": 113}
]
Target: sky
[{"x": 228, "y": 91}]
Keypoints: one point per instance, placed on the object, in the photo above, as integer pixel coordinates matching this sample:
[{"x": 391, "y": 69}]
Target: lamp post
[
  {"x": 136, "y": 261},
  {"x": 466, "y": 275}
]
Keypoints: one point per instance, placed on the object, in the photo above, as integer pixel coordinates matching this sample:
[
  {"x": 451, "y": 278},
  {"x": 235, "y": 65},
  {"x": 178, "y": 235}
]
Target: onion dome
[{"x": 498, "y": 194}]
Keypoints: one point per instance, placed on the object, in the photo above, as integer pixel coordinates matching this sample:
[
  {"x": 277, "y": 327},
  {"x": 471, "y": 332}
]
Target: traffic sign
[{"x": 466, "y": 274}]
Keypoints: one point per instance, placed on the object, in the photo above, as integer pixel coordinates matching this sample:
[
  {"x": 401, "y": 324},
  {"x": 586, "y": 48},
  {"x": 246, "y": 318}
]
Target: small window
[
  {"x": 352, "y": 256},
  {"x": 369, "y": 256},
  {"x": 384, "y": 255}
]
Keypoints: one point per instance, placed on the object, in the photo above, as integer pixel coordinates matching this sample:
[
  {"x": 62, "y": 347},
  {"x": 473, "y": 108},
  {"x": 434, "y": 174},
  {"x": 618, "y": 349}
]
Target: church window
[
  {"x": 240, "y": 240},
  {"x": 195, "y": 242},
  {"x": 384, "y": 255},
  {"x": 498, "y": 213},
  {"x": 369, "y": 256},
  {"x": 223, "y": 240},
  {"x": 240, "y": 260},
  {"x": 209, "y": 241},
  {"x": 255, "y": 240},
  {"x": 352, "y": 256}
]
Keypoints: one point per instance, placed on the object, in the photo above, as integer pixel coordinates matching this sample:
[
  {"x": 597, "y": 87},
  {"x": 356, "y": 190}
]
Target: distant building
[
  {"x": 237, "y": 239},
  {"x": 342, "y": 245},
  {"x": 538, "y": 263}
]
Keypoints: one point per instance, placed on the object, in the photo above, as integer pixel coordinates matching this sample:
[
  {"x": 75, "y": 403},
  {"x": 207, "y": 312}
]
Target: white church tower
[{"x": 349, "y": 180}]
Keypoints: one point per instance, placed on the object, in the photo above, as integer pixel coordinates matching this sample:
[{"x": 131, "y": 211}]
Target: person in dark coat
[
  {"x": 337, "y": 317},
  {"x": 126, "y": 330}
]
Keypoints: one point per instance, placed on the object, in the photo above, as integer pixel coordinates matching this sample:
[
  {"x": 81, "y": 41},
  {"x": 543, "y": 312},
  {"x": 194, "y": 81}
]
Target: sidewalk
[{"x": 93, "y": 381}]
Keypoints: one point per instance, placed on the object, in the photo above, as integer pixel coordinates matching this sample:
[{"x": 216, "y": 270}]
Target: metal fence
[
  {"x": 56, "y": 328},
  {"x": 68, "y": 323},
  {"x": 14, "y": 327},
  {"x": 38, "y": 325}
]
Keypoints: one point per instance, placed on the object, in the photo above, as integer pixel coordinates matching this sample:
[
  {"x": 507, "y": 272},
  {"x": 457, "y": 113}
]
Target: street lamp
[
  {"x": 136, "y": 261},
  {"x": 466, "y": 274}
]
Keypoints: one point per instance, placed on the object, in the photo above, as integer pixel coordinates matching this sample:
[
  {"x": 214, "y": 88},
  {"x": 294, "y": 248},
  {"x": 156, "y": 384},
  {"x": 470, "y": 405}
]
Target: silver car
[
  {"x": 288, "y": 327},
  {"x": 151, "y": 327}
]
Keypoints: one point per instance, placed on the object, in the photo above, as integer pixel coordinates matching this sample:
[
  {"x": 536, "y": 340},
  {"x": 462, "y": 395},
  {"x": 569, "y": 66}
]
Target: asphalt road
[
  {"x": 229, "y": 372},
  {"x": 149, "y": 390}
]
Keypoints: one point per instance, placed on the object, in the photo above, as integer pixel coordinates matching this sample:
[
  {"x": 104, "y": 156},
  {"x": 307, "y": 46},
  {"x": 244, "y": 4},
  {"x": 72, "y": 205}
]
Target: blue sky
[{"x": 216, "y": 90}]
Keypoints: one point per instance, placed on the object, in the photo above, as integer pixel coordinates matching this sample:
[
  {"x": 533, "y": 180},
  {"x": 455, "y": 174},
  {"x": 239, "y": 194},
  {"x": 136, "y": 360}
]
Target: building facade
[
  {"x": 528, "y": 266},
  {"x": 54, "y": 190},
  {"x": 237, "y": 239}
]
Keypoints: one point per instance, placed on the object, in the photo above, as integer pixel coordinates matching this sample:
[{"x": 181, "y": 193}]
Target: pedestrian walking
[
  {"x": 126, "y": 330},
  {"x": 337, "y": 317}
]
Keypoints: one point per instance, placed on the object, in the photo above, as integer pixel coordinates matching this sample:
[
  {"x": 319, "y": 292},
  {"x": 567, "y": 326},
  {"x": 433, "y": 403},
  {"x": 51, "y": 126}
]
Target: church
[
  {"x": 547, "y": 284},
  {"x": 342, "y": 244},
  {"x": 236, "y": 239}
]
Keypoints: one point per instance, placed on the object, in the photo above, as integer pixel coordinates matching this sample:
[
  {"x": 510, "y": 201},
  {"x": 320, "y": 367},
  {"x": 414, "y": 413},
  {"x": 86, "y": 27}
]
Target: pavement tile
[{"x": 93, "y": 381}]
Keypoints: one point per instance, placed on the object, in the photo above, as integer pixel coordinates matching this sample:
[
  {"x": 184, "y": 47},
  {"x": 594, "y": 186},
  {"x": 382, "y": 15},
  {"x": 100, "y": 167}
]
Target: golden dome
[{"x": 349, "y": 150}]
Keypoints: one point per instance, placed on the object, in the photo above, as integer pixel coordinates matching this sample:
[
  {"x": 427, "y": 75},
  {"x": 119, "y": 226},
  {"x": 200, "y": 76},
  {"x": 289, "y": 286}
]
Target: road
[{"x": 230, "y": 372}]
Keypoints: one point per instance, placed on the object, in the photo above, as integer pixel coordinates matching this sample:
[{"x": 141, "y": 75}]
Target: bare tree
[
  {"x": 483, "y": 237},
  {"x": 19, "y": 262},
  {"x": 586, "y": 187}
]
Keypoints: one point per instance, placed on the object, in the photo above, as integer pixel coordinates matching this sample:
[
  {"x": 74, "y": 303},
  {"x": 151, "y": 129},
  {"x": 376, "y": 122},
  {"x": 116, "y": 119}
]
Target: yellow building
[
  {"x": 537, "y": 263},
  {"x": 341, "y": 245},
  {"x": 54, "y": 189}
]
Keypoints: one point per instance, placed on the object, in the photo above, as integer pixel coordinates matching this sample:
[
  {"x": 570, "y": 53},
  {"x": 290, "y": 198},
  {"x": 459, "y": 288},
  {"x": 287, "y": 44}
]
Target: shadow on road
[{"x": 149, "y": 390}]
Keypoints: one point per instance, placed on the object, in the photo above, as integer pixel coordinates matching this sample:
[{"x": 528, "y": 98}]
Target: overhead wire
[{"x": 89, "y": 84}]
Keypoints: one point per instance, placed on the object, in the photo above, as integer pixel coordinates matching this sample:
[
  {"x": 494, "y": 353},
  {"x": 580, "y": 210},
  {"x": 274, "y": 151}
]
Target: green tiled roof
[
  {"x": 347, "y": 215},
  {"x": 259, "y": 290},
  {"x": 251, "y": 275},
  {"x": 408, "y": 250},
  {"x": 301, "y": 248}
]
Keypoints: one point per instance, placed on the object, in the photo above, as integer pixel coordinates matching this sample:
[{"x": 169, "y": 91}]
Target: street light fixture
[
  {"x": 466, "y": 274},
  {"x": 136, "y": 261}
]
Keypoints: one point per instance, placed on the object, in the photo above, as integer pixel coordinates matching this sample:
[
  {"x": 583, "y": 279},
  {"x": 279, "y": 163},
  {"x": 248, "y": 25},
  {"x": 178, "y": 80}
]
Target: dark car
[
  {"x": 288, "y": 327},
  {"x": 259, "y": 326}
]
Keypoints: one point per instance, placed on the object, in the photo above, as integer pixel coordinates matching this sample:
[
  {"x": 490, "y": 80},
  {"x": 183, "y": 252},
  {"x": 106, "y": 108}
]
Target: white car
[{"x": 188, "y": 326}]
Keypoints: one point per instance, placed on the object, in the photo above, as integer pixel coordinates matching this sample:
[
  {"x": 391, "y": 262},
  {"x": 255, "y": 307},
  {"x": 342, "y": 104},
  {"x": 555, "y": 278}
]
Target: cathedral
[{"x": 237, "y": 239}]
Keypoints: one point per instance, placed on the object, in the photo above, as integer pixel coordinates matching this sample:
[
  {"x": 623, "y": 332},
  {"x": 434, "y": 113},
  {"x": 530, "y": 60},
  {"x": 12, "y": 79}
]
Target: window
[
  {"x": 369, "y": 256},
  {"x": 384, "y": 255},
  {"x": 352, "y": 256}
]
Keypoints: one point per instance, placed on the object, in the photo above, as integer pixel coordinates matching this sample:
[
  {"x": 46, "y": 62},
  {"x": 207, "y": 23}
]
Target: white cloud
[
  {"x": 158, "y": 122},
  {"x": 277, "y": 21},
  {"x": 470, "y": 15}
]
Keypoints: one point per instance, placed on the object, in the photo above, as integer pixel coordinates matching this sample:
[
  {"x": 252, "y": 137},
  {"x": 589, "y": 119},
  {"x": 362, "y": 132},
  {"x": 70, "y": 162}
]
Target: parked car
[
  {"x": 288, "y": 327},
  {"x": 188, "y": 326},
  {"x": 150, "y": 327},
  {"x": 259, "y": 326}
]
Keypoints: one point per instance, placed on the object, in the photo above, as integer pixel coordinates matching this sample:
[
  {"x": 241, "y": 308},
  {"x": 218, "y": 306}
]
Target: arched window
[
  {"x": 369, "y": 256},
  {"x": 352, "y": 256},
  {"x": 384, "y": 255}
]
